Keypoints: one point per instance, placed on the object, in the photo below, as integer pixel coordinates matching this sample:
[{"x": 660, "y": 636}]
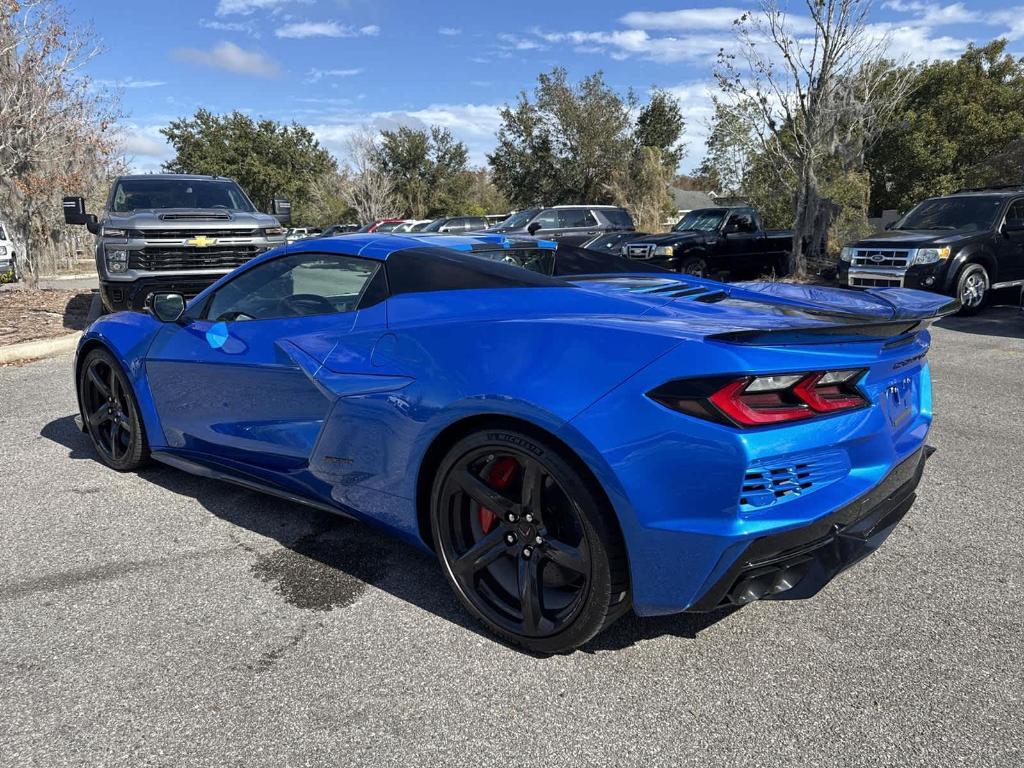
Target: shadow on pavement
[
  {"x": 327, "y": 561},
  {"x": 1006, "y": 320}
]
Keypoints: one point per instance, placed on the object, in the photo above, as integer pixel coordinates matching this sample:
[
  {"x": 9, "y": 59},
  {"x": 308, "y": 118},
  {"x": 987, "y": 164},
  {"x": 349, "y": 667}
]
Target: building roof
[{"x": 689, "y": 199}]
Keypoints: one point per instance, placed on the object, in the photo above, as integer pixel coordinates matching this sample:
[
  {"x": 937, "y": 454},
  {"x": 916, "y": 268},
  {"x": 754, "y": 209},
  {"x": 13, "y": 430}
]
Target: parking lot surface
[{"x": 163, "y": 619}]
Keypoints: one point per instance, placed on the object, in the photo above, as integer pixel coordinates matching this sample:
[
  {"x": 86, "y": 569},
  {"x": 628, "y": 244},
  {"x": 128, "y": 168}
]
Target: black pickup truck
[
  {"x": 709, "y": 241},
  {"x": 963, "y": 245}
]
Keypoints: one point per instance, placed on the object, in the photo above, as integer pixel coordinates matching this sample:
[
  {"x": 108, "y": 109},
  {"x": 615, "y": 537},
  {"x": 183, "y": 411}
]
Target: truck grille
[
  {"x": 639, "y": 251},
  {"x": 880, "y": 257},
  {"x": 188, "y": 234},
  {"x": 155, "y": 259}
]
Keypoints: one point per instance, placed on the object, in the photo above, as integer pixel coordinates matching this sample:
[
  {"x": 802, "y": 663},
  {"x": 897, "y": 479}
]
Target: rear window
[{"x": 619, "y": 217}]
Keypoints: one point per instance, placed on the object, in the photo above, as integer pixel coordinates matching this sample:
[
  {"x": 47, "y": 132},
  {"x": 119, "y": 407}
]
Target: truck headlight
[
  {"x": 931, "y": 255},
  {"x": 117, "y": 261},
  {"x": 273, "y": 231},
  {"x": 3, "y": 250},
  {"x": 108, "y": 232},
  {"x": 663, "y": 250},
  {"x": 846, "y": 254}
]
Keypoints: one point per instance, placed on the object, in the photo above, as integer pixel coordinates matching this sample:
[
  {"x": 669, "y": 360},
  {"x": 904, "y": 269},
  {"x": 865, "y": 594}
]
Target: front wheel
[
  {"x": 972, "y": 288},
  {"x": 694, "y": 265},
  {"x": 525, "y": 542},
  {"x": 111, "y": 413}
]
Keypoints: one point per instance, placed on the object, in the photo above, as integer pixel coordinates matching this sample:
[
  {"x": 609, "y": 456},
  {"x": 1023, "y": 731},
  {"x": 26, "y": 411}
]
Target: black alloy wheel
[
  {"x": 525, "y": 543},
  {"x": 972, "y": 287},
  {"x": 110, "y": 412}
]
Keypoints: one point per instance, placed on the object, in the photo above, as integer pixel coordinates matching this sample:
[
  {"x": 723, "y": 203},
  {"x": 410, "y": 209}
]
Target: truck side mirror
[
  {"x": 533, "y": 228},
  {"x": 281, "y": 209},
  {"x": 74, "y": 214}
]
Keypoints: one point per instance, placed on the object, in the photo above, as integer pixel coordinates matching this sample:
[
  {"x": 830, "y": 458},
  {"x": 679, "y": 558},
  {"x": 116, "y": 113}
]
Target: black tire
[
  {"x": 110, "y": 412},
  {"x": 972, "y": 288},
  {"x": 551, "y": 576},
  {"x": 694, "y": 265}
]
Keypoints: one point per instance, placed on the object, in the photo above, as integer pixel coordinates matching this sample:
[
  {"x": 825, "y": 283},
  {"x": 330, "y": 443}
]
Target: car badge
[
  {"x": 876, "y": 257},
  {"x": 201, "y": 242}
]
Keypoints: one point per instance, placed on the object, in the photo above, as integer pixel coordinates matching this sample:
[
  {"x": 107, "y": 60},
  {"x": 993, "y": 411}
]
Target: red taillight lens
[
  {"x": 755, "y": 408},
  {"x": 754, "y": 401}
]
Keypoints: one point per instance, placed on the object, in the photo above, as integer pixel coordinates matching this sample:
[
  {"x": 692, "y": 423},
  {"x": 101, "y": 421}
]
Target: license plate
[{"x": 900, "y": 401}]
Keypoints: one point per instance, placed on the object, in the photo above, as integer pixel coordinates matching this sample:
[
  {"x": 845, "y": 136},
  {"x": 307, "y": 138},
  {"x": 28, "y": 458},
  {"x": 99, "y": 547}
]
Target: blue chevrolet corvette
[{"x": 571, "y": 446}]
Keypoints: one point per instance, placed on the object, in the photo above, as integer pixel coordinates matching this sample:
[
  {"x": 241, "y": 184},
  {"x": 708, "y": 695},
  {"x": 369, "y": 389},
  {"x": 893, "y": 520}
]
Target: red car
[{"x": 381, "y": 225}]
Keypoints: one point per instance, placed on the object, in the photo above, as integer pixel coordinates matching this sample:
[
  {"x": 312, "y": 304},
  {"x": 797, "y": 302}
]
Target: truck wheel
[
  {"x": 972, "y": 286},
  {"x": 694, "y": 265}
]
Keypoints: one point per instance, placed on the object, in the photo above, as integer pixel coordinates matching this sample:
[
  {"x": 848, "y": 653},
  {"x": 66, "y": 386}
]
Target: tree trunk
[{"x": 803, "y": 227}]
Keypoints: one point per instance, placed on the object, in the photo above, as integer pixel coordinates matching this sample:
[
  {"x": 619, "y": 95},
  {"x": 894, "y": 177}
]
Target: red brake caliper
[{"x": 499, "y": 477}]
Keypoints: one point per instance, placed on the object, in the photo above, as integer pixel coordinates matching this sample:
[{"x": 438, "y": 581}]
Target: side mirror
[
  {"x": 281, "y": 209},
  {"x": 166, "y": 307},
  {"x": 74, "y": 214},
  {"x": 533, "y": 228},
  {"x": 889, "y": 225}
]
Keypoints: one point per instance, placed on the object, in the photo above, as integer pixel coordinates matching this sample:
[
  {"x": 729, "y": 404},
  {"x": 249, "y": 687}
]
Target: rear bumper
[{"x": 797, "y": 563}]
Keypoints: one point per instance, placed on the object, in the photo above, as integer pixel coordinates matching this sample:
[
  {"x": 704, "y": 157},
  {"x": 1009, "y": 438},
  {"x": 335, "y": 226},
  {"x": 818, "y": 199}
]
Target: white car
[{"x": 6, "y": 251}]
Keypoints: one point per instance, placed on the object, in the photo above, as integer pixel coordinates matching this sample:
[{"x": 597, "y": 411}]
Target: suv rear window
[{"x": 619, "y": 217}]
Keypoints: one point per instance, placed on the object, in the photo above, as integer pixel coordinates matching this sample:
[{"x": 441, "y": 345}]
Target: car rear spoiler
[{"x": 843, "y": 328}]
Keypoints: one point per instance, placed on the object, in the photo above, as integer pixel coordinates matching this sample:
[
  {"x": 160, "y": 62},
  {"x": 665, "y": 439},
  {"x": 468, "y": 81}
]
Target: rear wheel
[
  {"x": 111, "y": 413},
  {"x": 525, "y": 542},
  {"x": 972, "y": 287}
]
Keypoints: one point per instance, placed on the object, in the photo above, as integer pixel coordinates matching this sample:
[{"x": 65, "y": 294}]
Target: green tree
[
  {"x": 958, "y": 118},
  {"x": 564, "y": 145},
  {"x": 267, "y": 158},
  {"x": 660, "y": 125},
  {"x": 429, "y": 168}
]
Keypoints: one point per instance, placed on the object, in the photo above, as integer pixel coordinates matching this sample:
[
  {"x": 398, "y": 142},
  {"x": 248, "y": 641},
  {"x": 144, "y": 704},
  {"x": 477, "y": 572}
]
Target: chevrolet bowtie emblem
[{"x": 201, "y": 242}]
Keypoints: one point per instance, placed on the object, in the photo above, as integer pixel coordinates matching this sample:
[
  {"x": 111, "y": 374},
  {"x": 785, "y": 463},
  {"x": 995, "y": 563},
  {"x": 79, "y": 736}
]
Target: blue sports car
[{"x": 571, "y": 446}]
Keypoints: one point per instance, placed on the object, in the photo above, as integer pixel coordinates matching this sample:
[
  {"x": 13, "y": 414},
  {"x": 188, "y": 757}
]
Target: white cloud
[
  {"x": 690, "y": 18},
  {"x": 449, "y": 31},
  {"x": 144, "y": 146},
  {"x": 300, "y": 30},
  {"x": 228, "y": 56},
  {"x": 915, "y": 43},
  {"x": 245, "y": 7},
  {"x": 934, "y": 14},
  {"x": 1013, "y": 18},
  {"x": 624, "y": 43},
  {"x": 246, "y": 27},
  {"x": 316, "y": 75},
  {"x": 129, "y": 83}
]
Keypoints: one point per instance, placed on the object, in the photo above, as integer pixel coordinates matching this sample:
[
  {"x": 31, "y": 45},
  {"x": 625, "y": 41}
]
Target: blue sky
[{"x": 338, "y": 64}]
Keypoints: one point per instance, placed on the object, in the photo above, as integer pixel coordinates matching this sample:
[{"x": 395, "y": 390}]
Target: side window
[
  {"x": 476, "y": 223},
  {"x": 548, "y": 219},
  {"x": 294, "y": 286},
  {"x": 1016, "y": 213},
  {"x": 578, "y": 217},
  {"x": 741, "y": 222}
]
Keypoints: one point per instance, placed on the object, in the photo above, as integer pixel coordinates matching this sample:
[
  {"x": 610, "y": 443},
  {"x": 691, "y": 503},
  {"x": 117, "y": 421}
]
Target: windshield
[
  {"x": 144, "y": 194},
  {"x": 702, "y": 221},
  {"x": 518, "y": 220},
  {"x": 967, "y": 213}
]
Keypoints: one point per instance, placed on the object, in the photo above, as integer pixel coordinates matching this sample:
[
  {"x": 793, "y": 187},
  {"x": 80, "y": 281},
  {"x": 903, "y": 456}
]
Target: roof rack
[{"x": 990, "y": 188}]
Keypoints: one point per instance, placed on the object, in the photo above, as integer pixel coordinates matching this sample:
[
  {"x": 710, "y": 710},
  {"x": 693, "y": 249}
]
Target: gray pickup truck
[{"x": 174, "y": 233}]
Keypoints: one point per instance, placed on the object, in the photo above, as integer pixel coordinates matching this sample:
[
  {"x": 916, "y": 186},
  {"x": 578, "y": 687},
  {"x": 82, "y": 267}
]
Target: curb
[{"x": 36, "y": 350}]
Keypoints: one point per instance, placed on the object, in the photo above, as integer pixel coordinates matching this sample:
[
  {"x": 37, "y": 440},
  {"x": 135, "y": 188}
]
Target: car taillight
[{"x": 755, "y": 401}]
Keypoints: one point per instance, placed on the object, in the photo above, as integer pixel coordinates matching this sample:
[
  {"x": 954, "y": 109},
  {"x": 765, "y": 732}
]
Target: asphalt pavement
[{"x": 163, "y": 619}]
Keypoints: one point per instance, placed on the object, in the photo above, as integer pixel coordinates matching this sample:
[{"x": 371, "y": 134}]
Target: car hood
[
  {"x": 188, "y": 218},
  {"x": 913, "y": 238},
  {"x": 671, "y": 238}
]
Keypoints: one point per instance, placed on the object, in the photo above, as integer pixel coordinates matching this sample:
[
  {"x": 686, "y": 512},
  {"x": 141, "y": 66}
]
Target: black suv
[
  {"x": 573, "y": 224},
  {"x": 964, "y": 245}
]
